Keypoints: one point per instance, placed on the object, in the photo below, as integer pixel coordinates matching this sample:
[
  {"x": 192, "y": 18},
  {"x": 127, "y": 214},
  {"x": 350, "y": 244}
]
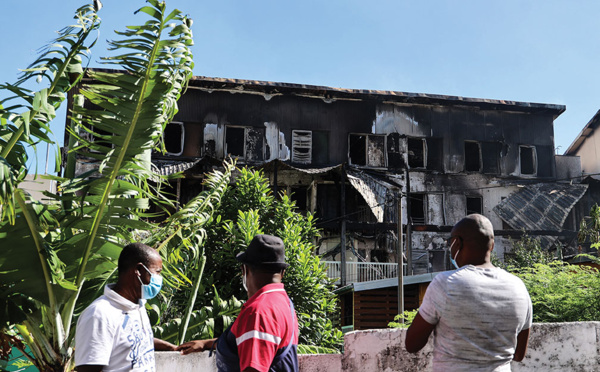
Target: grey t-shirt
[{"x": 478, "y": 314}]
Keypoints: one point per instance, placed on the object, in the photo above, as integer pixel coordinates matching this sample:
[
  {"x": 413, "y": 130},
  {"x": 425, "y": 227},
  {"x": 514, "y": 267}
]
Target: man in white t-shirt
[
  {"x": 480, "y": 314},
  {"x": 113, "y": 333}
]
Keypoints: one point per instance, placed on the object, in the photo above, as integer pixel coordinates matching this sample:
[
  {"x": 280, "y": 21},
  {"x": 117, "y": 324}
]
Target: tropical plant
[
  {"x": 249, "y": 208},
  {"x": 50, "y": 251},
  {"x": 403, "y": 320},
  {"x": 589, "y": 228},
  {"x": 561, "y": 292},
  {"x": 526, "y": 252}
]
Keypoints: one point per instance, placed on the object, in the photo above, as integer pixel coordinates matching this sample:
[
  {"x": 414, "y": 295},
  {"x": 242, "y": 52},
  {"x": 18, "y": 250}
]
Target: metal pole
[
  {"x": 400, "y": 257},
  {"x": 343, "y": 228}
]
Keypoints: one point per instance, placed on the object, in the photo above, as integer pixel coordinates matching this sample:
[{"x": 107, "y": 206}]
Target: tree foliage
[{"x": 249, "y": 208}]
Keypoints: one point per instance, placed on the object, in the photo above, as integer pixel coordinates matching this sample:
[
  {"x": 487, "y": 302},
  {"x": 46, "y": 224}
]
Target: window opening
[
  {"x": 417, "y": 209},
  {"x": 416, "y": 153},
  {"x": 474, "y": 205},
  {"x": 234, "y": 141},
  {"x": 527, "y": 156},
  {"x": 358, "y": 150},
  {"x": 367, "y": 150},
  {"x": 472, "y": 156},
  {"x": 173, "y": 138}
]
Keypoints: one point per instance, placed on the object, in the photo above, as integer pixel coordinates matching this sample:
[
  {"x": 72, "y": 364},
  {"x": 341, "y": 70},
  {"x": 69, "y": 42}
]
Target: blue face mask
[
  {"x": 453, "y": 260},
  {"x": 151, "y": 289}
]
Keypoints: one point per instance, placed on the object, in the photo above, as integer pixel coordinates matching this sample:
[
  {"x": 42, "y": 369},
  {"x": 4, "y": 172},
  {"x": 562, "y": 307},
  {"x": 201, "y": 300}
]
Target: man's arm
[
  {"x": 418, "y": 334},
  {"x": 89, "y": 368},
  {"x": 522, "y": 341},
  {"x": 196, "y": 346},
  {"x": 162, "y": 345}
]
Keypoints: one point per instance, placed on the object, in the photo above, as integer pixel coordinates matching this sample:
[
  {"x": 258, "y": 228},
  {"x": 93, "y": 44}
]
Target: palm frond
[{"x": 25, "y": 115}]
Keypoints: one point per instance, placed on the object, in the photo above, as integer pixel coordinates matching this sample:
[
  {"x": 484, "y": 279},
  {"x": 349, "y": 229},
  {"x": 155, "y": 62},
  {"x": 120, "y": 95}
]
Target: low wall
[{"x": 553, "y": 347}]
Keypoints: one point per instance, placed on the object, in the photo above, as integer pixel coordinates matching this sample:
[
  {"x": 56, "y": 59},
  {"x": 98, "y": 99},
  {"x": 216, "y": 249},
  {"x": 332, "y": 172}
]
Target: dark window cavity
[
  {"x": 528, "y": 160},
  {"x": 367, "y": 150},
  {"x": 435, "y": 154},
  {"x": 173, "y": 137},
  {"x": 299, "y": 195},
  {"x": 417, "y": 208},
  {"x": 246, "y": 143},
  {"x": 417, "y": 150},
  {"x": 474, "y": 205},
  {"x": 234, "y": 141},
  {"x": 472, "y": 156}
]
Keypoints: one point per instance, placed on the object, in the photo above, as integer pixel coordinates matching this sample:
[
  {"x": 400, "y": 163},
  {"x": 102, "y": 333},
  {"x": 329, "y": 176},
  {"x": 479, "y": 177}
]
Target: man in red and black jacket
[{"x": 264, "y": 337}]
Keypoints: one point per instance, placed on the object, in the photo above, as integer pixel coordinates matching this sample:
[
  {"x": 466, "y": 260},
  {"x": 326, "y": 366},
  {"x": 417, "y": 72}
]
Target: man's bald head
[{"x": 476, "y": 231}]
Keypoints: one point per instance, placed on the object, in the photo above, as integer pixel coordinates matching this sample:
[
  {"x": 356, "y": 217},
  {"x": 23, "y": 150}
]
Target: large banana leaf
[
  {"x": 25, "y": 115},
  {"x": 79, "y": 236}
]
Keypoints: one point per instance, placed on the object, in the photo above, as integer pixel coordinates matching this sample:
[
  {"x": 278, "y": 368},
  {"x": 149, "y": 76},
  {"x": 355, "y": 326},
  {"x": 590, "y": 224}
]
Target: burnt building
[{"x": 360, "y": 159}]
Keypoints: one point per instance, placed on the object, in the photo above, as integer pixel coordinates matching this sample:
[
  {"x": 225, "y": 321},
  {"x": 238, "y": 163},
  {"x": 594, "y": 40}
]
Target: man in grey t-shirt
[{"x": 480, "y": 314}]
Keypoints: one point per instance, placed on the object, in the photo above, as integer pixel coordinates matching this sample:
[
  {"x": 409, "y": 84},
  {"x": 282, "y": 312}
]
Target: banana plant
[{"x": 52, "y": 253}]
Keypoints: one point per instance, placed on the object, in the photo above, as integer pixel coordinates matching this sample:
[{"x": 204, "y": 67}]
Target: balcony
[{"x": 357, "y": 272}]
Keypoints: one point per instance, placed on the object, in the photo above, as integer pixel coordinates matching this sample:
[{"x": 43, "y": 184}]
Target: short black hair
[{"x": 134, "y": 253}]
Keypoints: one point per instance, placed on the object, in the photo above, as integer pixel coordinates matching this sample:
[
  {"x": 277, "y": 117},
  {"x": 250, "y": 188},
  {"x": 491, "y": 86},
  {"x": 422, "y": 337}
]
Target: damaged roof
[
  {"x": 269, "y": 89},
  {"x": 542, "y": 206},
  {"x": 329, "y": 94}
]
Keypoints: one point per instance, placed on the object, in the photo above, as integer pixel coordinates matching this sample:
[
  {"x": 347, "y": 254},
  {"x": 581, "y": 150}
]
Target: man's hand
[{"x": 196, "y": 346}]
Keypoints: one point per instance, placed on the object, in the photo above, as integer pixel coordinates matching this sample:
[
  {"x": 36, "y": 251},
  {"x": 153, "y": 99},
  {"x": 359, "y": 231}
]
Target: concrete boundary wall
[{"x": 553, "y": 347}]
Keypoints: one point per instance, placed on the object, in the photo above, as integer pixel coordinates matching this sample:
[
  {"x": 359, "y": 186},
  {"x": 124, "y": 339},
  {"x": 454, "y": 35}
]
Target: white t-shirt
[
  {"x": 478, "y": 314},
  {"x": 116, "y": 333}
]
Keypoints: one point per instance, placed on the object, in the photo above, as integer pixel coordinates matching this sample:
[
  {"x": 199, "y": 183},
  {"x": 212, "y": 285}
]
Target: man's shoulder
[{"x": 101, "y": 307}]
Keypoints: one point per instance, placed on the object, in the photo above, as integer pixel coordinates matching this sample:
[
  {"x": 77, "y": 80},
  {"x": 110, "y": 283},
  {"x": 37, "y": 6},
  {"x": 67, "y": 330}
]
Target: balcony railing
[{"x": 362, "y": 271}]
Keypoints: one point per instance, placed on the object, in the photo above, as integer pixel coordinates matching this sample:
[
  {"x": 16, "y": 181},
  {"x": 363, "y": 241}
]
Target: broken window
[
  {"x": 472, "y": 156},
  {"x": 417, "y": 209},
  {"x": 474, "y": 205},
  {"x": 246, "y": 143},
  {"x": 367, "y": 150},
  {"x": 527, "y": 158},
  {"x": 173, "y": 136},
  {"x": 417, "y": 151}
]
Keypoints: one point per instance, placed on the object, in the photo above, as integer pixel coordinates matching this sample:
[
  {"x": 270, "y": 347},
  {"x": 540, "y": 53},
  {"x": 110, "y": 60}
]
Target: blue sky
[{"x": 532, "y": 51}]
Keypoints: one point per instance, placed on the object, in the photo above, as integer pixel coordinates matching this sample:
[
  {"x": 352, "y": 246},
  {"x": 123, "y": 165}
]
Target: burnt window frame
[
  {"x": 471, "y": 211},
  {"x": 423, "y": 141},
  {"x": 366, "y": 146},
  {"x": 246, "y": 130},
  {"x": 182, "y": 143},
  {"x": 533, "y": 159},
  {"x": 480, "y": 159}
]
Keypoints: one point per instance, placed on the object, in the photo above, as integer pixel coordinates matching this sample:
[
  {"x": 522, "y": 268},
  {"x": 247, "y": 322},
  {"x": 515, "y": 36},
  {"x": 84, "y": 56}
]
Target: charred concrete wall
[{"x": 368, "y": 133}]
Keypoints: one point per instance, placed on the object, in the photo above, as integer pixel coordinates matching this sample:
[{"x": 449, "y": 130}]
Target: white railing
[{"x": 362, "y": 271}]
